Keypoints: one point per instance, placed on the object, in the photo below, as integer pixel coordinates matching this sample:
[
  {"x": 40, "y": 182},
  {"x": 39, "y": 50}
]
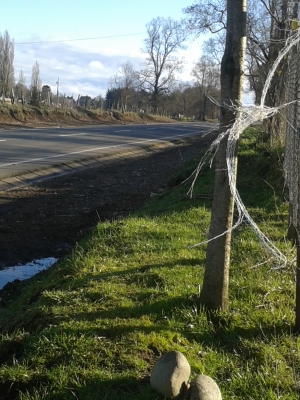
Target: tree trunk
[
  {"x": 214, "y": 293},
  {"x": 204, "y": 105},
  {"x": 276, "y": 95}
]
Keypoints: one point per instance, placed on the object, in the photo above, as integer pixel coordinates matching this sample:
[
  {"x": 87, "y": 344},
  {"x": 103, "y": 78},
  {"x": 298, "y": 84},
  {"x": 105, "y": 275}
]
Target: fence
[{"x": 292, "y": 143}]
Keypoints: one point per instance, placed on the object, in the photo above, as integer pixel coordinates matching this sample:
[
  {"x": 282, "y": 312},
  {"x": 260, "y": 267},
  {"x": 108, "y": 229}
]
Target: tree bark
[
  {"x": 214, "y": 293},
  {"x": 276, "y": 95}
]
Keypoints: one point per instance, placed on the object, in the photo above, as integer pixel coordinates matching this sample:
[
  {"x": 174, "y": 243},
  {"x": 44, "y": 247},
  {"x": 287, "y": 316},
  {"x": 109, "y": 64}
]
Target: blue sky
[{"x": 45, "y": 31}]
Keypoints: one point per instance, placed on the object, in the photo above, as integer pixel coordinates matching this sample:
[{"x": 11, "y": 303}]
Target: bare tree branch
[{"x": 165, "y": 37}]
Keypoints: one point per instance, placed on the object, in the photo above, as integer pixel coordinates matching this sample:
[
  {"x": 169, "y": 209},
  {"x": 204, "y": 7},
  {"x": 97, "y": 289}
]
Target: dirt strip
[{"x": 47, "y": 218}]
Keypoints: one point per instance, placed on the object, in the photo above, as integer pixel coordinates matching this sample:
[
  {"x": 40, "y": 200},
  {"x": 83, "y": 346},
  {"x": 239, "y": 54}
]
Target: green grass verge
[{"x": 93, "y": 325}]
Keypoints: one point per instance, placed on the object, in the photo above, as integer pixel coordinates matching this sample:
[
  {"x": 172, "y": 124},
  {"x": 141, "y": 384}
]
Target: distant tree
[
  {"x": 209, "y": 16},
  {"x": 70, "y": 102},
  {"x": 207, "y": 76},
  {"x": 46, "y": 94},
  {"x": 176, "y": 102},
  {"x": 20, "y": 88},
  {"x": 85, "y": 101},
  {"x": 113, "y": 98},
  {"x": 268, "y": 24},
  {"x": 36, "y": 84},
  {"x": 7, "y": 80},
  {"x": 141, "y": 101},
  {"x": 98, "y": 101},
  {"x": 165, "y": 38},
  {"x": 125, "y": 81}
]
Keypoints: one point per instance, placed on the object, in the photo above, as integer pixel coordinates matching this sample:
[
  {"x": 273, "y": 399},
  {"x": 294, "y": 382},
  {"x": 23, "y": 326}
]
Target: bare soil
[{"x": 46, "y": 219}]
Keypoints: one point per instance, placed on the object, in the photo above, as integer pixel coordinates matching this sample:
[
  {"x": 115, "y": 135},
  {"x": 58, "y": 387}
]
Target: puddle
[{"x": 25, "y": 271}]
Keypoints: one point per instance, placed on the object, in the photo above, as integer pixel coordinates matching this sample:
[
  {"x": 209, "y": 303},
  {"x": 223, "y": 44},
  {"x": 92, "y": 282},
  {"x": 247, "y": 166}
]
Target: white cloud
[
  {"x": 80, "y": 70},
  {"x": 85, "y": 67},
  {"x": 96, "y": 65}
]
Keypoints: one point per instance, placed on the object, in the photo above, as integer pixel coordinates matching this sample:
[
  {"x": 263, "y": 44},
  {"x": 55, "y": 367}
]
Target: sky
[{"x": 110, "y": 33}]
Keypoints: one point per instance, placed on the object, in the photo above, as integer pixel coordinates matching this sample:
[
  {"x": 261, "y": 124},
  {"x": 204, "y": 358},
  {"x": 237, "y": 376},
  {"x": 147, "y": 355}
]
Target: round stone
[
  {"x": 170, "y": 374},
  {"x": 204, "y": 388}
]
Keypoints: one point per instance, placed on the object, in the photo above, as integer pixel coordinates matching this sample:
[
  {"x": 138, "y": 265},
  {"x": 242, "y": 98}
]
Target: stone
[
  {"x": 204, "y": 388},
  {"x": 170, "y": 374}
]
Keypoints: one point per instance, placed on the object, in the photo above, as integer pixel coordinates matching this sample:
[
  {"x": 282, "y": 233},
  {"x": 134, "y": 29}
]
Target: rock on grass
[
  {"x": 170, "y": 374},
  {"x": 204, "y": 388}
]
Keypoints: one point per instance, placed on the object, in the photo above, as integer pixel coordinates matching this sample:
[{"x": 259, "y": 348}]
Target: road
[{"x": 29, "y": 150}]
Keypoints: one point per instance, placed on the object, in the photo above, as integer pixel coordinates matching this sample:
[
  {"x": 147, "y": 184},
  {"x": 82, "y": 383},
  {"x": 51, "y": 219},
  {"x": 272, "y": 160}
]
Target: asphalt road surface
[{"x": 26, "y": 150}]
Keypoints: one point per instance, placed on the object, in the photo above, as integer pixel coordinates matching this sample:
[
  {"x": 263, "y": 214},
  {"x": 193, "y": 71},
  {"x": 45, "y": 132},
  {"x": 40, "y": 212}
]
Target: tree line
[
  {"x": 155, "y": 88},
  {"x": 268, "y": 24}
]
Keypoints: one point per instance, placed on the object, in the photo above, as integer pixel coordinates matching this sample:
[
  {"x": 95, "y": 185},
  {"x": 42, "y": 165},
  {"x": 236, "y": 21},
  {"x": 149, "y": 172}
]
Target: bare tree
[
  {"x": 214, "y": 293},
  {"x": 36, "y": 84},
  {"x": 165, "y": 38},
  {"x": 20, "y": 88},
  {"x": 207, "y": 76},
  {"x": 268, "y": 23},
  {"x": 98, "y": 101},
  {"x": 125, "y": 81},
  {"x": 207, "y": 15},
  {"x": 7, "y": 80},
  {"x": 35, "y": 76},
  {"x": 280, "y": 12}
]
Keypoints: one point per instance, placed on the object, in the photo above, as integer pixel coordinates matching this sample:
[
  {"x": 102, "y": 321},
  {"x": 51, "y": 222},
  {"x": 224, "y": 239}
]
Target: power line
[{"x": 75, "y": 40}]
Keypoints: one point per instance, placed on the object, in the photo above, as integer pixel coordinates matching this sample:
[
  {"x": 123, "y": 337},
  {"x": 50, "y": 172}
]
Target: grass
[{"x": 92, "y": 326}]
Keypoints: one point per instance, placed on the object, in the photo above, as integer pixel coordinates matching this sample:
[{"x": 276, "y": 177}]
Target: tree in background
[
  {"x": 165, "y": 38},
  {"x": 46, "y": 94},
  {"x": 178, "y": 101},
  {"x": 207, "y": 76},
  {"x": 214, "y": 293},
  {"x": 98, "y": 101},
  {"x": 268, "y": 23},
  {"x": 7, "y": 53},
  {"x": 112, "y": 98},
  {"x": 36, "y": 84},
  {"x": 20, "y": 88},
  {"x": 268, "y": 26},
  {"x": 124, "y": 82}
]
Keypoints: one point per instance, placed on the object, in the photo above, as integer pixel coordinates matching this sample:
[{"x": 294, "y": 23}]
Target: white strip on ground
[{"x": 73, "y": 134}]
